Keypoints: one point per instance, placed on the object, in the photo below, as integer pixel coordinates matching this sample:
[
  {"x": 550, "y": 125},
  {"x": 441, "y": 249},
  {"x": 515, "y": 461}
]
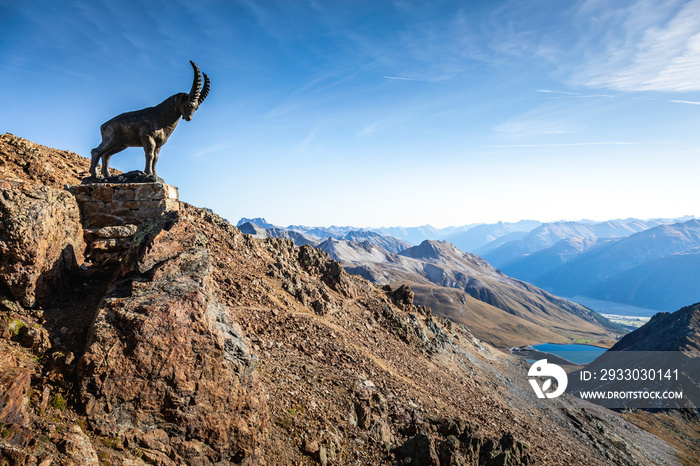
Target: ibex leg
[
  {"x": 156, "y": 152},
  {"x": 149, "y": 147},
  {"x": 104, "y": 151}
]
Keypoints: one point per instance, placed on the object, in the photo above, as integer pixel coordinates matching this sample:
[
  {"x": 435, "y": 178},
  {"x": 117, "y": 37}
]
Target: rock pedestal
[
  {"x": 119, "y": 204},
  {"x": 111, "y": 212}
]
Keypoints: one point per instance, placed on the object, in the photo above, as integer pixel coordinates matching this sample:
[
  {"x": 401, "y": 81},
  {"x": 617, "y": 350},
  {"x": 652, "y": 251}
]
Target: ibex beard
[{"x": 149, "y": 128}]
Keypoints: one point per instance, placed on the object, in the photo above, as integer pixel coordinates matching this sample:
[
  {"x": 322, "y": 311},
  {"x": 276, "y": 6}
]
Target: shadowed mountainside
[
  {"x": 666, "y": 331},
  {"x": 677, "y": 331}
]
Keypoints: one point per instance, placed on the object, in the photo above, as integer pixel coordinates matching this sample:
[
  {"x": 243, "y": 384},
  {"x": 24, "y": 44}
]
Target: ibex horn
[
  {"x": 194, "y": 92},
  {"x": 205, "y": 89}
]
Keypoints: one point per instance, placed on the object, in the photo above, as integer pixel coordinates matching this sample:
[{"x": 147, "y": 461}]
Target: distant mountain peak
[
  {"x": 259, "y": 221},
  {"x": 431, "y": 249},
  {"x": 250, "y": 228}
]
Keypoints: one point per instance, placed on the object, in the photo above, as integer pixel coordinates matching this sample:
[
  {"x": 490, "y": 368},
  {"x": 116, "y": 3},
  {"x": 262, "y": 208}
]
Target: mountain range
[
  {"x": 646, "y": 263},
  {"x": 655, "y": 268},
  {"x": 316, "y": 235}
]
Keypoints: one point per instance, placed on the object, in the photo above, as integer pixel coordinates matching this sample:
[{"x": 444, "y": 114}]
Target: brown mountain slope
[
  {"x": 354, "y": 370},
  {"x": 464, "y": 288},
  {"x": 28, "y": 161},
  {"x": 207, "y": 346}
]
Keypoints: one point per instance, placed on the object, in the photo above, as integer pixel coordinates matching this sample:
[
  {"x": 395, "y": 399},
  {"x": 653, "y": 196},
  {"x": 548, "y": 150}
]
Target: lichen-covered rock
[
  {"x": 317, "y": 262},
  {"x": 369, "y": 412},
  {"x": 457, "y": 441},
  {"x": 77, "y": 446},
  {"x": 14, "y": 382},
  {"x": 36, "y": 338},
  {"x": 402, "y": 297},
  {"x": 163, "y": 352},
  {"x": 41, "y": 239}
]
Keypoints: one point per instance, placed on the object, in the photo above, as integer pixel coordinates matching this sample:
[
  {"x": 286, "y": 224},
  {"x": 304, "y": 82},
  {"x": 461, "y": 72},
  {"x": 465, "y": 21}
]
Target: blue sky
[{"x": 379, "y": 113}]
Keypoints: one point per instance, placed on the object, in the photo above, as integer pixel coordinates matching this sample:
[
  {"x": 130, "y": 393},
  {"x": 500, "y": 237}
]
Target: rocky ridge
[
  {"x": 316, "y": 236},
  {"x": 666, "y": 331},
  {"x": 207, "y": 346}
]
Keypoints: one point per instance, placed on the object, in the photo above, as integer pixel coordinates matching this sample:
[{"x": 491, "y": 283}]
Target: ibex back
[{"x": 149, "y": 128}]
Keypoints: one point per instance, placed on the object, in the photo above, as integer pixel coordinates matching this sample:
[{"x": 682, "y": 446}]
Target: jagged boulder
[
  {"x": 369, "y": 412},
  {"x": 77, "y": 446},
  {"x": 316, "y": 261},
  {"x": 41, "y": 240},
  {"x": 14, "y": 385},
  {"x": 402, "y": 296},
  {"x": 164, "y": 353},
  {"x": 457, "y": 442}
]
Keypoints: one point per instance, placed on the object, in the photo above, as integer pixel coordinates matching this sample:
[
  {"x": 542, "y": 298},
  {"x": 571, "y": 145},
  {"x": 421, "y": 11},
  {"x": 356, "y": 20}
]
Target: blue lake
[{"x": 578, "y": 354}]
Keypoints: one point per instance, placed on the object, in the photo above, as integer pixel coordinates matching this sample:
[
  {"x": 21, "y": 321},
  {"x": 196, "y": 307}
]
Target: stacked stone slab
[
  {"x": 111, "y": 212},
  {"x": 118, "y": 204}
]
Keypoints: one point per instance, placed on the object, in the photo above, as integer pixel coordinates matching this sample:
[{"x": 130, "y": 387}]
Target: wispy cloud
[
  {"x": 303, "y": 148},
  {"x": 539, "y": 122},
  {"x": 573, "y": 95},
  {"x": 572, "y": 144},
  {"x": 369, "y": 129},
  {"x": 548, "y": 91},
  {"x": 655, "y": 46},
  {"x": 393, "y": 120},
  {"x": 400, "y": 78},
  {"x": 686, "y": 102},
  {"x": 315, "y": 90},
  {"x": 206, "y": 151}
]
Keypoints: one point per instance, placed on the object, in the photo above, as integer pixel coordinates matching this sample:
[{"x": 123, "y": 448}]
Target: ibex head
[{"x": 190, "y": 102}]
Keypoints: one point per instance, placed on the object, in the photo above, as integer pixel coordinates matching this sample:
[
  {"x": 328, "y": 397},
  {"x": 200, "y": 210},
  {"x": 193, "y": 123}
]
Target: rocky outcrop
[
  {"x": 14, "y": 417},
  {"x": 163, "y": 353},
  {"x": 457, "y": 441},
  {"x": 14, "y": 384},
  {"x": 41, "y": 240},
  {"x": 27, "y": 161},
  {"x": 78, "y": 447}
]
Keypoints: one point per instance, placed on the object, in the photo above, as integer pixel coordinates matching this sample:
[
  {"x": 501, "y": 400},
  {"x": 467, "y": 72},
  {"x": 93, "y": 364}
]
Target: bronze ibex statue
[{"x": 149, "y": 128}]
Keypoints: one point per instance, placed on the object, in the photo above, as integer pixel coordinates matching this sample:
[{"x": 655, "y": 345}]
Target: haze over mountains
[
  {"x": 655, "y": 268},
  {"x": 646, "y": 263}
]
